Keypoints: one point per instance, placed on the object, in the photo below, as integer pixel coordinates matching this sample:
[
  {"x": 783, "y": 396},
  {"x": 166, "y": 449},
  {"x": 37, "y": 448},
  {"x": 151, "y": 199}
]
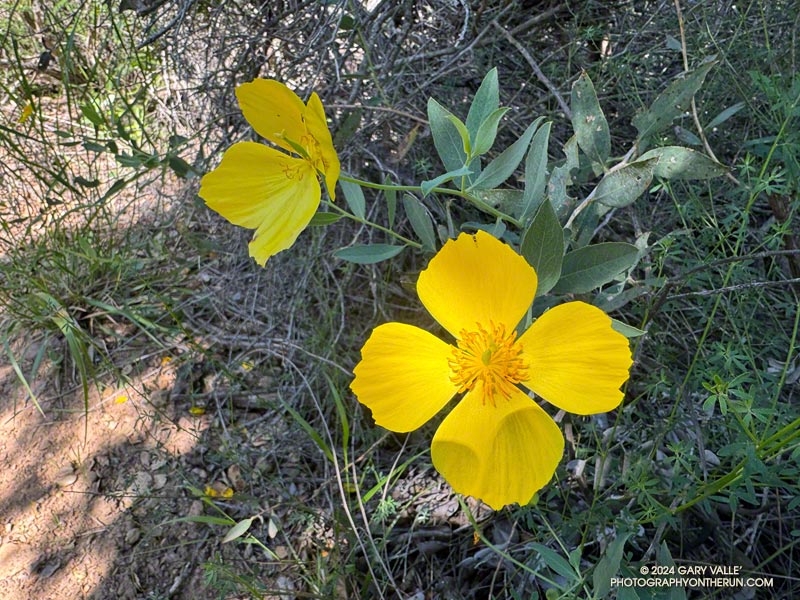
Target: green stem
[
  {"x": 386, "y": 230},
  {"x": 478, "y": 203}
]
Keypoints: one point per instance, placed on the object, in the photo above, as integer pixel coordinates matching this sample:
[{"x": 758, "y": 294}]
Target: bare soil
[{"x": 86, "y": 500}]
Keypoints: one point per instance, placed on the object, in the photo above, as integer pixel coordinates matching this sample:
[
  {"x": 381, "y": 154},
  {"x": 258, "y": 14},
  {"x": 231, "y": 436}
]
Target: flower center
[
  {"x": 490, "y": 356},
  {"x": 314, "y": 152},
  {"x": 293, "y": 171}
]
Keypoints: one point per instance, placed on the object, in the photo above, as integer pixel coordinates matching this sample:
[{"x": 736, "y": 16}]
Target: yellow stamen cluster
[
  {"x": 293, "y": 171},
  {"x": 314, "y": 150},
  {"x": 490, "y": 356}
]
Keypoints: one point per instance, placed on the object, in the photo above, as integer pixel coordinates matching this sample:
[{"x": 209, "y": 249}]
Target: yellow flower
[
  {"x": 262, "y": 188},
  {"x": 496, "y": 444}
]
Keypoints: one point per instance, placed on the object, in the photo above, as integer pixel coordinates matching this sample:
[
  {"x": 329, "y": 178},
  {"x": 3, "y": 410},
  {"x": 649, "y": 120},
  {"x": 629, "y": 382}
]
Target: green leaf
[
  {"x": 608, "y": 566},
  {"x": 88, "y": 183},
  {"x": 420, "y": 221},
  {"x": 629, "y": 331},
  {"x": 589, "y": 122},
  {"x": 543, "y": 247},
  {"x": 354, "y": 196},
  {"x": 677, "y": 162},
  {"x": 427, "y": 186},
  {"x": 369, "y": 253},
  {"x": 628, "y": 594},
  {"x": 90, "y": 112},
  {"x": 590, "y": 267},
  {"x": 116, "y": 187},
  {"x": 128, "y": 160},
  {"x": 665, "y": 559},
  {"x": 488, "y": 132},
  {"x": 179, "y": 166},
  {"x": 687, "y": 137},
  {"x": 466, "y": 145},
  {"x": 446, "y": 138},
  {"x": 323, "y": 218},
  {"x": 238, "y": 530},
  {"x": 556, "y": 562},
  {"x": 501, "y": 168},
  {"x": 21, "y": 377},
  {"x": 486, "y": 101},
  {"x": 509, "y": 201},
  {"x": 623, "y": 186},
  {"x": 725, "y": 115},
  {"x": 309, "y": 429},
  {"x": 561, "y": 179},
  {"x": 672, "y": 102},
  {"x": 536, "y": 171},
  {"x": 673, "y": 43},
  {"x": 93, "y": 147}
]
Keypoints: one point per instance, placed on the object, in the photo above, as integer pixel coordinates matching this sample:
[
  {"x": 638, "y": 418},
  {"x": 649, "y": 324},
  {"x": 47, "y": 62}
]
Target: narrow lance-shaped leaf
[
  {"x": 420, "y": 222},
  {"x": 561, "y": 179},
  {"x": 354, "y": 196},
  {"x": 323, "y": 218},
  {"x": 589, "y": 122},
  {"x": 677, "y": 162},
  {"x": 486, "y": 101},
  {"x": 623, "y": 186},
  {"x": 672, "y": 102},
  {"x": 446, "y": 138},
  {"x": 536, "y": 172},
  {"x": 608, "y": 566},
  {"x": 487, "y": 132},
  {"x": 427, "y": 186},
  {"x": 501, "y": 168},
  {"x": 725, "y": 115},
  {"x": 555, "y": 561},
  {"x": 629, "y": 331},
  {"x": 686, "y": 137},
  {"x": 543, "y": 247},
  {"x": 368, "y": 254},
  {"x": 90, "y": 112},
  {"x": 590, "y": 267},
  {"x": 466, "y": 143},
  {"x": 238, "y": 530}
]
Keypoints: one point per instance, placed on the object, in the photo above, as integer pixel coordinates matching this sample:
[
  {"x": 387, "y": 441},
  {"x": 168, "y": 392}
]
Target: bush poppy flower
[
  {"x": 496, "y": 444},
  {"x": 259, "y": 187}
]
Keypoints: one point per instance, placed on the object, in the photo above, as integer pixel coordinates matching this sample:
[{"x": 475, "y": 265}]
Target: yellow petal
[
  {"x": 273, "y": 110},
  {"x": 403, "y": 376},
  {"x": 263, "y": 189},
  {"x": 26, "y": 112},
  {"x": 500, "y": 454},
  {"x": 318, "y": 128},
  {"x": 476, "y": 279},
  {"x": 577, "y": 361}
]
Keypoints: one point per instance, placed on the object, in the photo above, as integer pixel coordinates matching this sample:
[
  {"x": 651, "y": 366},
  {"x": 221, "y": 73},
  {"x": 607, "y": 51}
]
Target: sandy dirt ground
[{"x": 86, "y": 500}]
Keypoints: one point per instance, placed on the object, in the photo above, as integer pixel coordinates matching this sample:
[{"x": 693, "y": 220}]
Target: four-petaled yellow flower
[
  {"x": 497, "y": 444},
  {"x": 262, "y": 188}
]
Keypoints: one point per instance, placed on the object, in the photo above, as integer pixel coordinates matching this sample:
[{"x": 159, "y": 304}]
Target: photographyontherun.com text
[{"x": 692, "y": 576}]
